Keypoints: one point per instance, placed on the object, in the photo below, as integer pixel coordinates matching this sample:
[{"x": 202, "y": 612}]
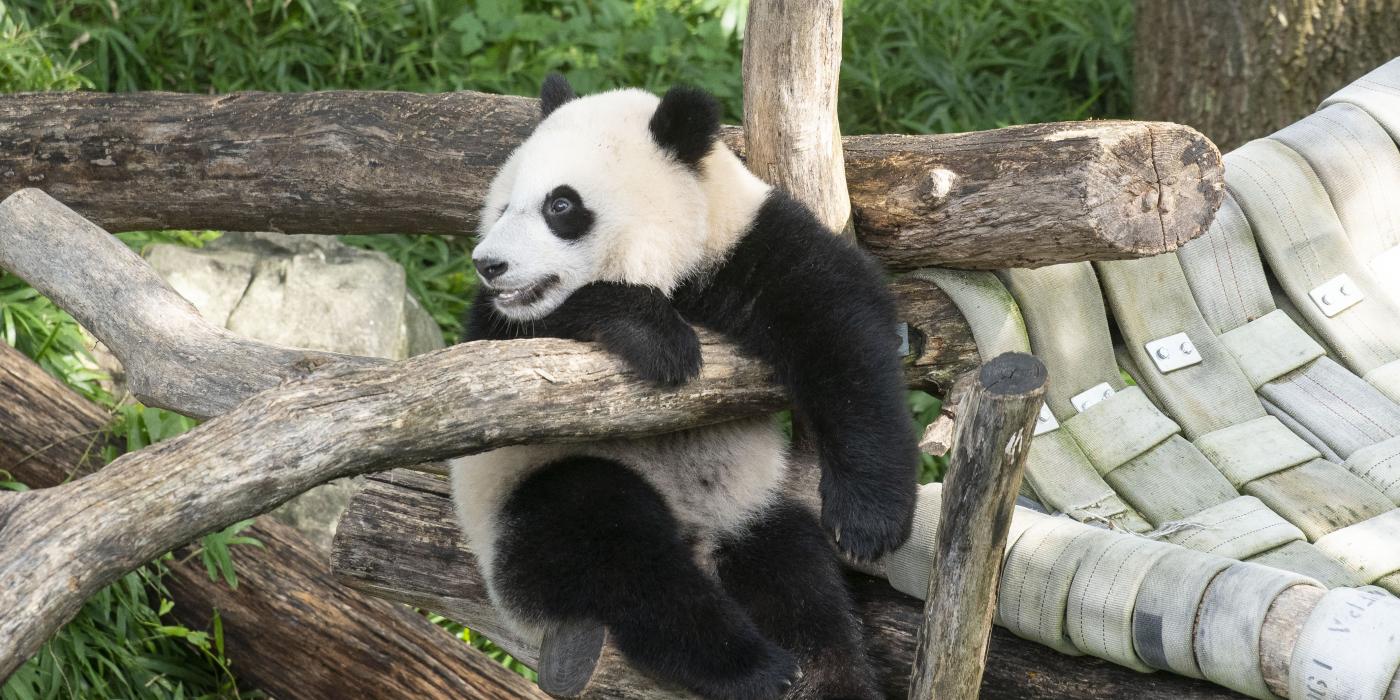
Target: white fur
[{"x": 656, "y": 221}]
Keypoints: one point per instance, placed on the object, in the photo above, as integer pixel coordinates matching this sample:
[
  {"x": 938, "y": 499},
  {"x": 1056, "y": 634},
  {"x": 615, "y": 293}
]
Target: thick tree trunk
[
  {"x": 293, "y": 630},
  {"x": 375, "y": 162},
  {"x": 1241, "y": 69}
]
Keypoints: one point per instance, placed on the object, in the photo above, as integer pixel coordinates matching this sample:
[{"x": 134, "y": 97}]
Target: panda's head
[{"x": 609, "y": 187}]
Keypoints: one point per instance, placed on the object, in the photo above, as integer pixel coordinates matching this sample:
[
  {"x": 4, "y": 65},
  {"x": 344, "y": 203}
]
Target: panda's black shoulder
[
  {"x": 788, "y": 262},
  {"x": 786, "y": 239}
]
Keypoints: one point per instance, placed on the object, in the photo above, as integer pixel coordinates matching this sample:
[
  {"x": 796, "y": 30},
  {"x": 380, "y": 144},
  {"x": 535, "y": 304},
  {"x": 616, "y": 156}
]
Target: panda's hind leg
[
  {"x": 587, "y": 539},
  {"x": 785, "y": 574}
]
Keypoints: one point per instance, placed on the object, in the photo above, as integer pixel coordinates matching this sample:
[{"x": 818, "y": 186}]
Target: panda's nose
[{"x": 490, "y": 268}]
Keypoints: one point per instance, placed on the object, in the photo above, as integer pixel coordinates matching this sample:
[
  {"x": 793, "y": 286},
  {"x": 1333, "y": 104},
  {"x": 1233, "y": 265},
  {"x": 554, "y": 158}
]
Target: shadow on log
[{"x": 399, "y": 540}]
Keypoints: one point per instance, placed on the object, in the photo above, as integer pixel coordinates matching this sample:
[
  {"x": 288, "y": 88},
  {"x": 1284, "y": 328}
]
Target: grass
[{"x": 913, "y": 67}]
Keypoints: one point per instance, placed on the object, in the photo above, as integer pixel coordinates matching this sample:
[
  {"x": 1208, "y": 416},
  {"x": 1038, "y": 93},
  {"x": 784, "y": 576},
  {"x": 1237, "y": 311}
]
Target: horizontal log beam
[
  {"x": 399, "y": 540},
  {"x": 374, "y": 162},
  {"x": 175, "y": 359}
]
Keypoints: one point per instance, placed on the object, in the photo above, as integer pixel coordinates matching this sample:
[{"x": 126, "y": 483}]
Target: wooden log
[
  {"x": 370, "y": 162},
  {"x": 50, "y": 434},
  {"x": 400, "y": 540},
  {"x": 979, "y": 497},
  {"x": 175, "y": 359},
  {"x": 792, "y": 67},
  {"x": 293, "y": 630}
]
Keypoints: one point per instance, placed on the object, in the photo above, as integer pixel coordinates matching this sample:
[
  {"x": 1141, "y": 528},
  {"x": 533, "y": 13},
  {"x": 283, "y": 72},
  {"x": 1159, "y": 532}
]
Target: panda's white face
[{"x": 590, "y": 197}]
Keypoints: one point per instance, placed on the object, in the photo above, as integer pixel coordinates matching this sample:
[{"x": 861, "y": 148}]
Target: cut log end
[
  {"x": 569, "y": 653},
  {"x": 1012, "y": 374}
]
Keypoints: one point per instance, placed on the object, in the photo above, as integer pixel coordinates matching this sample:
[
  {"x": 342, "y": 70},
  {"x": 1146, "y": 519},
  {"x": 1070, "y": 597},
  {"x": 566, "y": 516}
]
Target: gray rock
[{"x": 309, "y": 292}]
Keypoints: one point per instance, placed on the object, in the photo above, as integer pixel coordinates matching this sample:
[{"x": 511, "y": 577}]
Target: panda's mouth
[{"x": 520, "y": 297}]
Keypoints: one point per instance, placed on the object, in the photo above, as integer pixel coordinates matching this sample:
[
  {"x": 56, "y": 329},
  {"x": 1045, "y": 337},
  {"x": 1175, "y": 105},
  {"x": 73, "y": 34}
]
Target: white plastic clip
[
  {"x": 1095, "y": 394},
  {"x": 1045, "y": 422},
  {"x": 1336, "y": 295},
  {"x": 1173, "y": 352}
]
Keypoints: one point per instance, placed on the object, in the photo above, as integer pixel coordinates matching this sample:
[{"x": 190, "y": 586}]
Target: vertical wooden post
[
  {"x": 792, "y": 68},
  {"x": 996, "y": 419}
]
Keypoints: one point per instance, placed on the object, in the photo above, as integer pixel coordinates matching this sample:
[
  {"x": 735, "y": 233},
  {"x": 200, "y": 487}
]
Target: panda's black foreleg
[
  {"x": 784, "y": 572},
  {"x": 587, "y": 539}
]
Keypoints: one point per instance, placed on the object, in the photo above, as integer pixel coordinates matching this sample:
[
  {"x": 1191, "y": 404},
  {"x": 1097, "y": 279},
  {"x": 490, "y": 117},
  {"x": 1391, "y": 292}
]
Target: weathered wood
[
  {"x": 399, "y": 540},
  {"x": 175, "y": 359},
  {"x": 792, "y": 67},
  {"x": 370, "y": 162},
  {"x": 64, "y": 543},
  {"x": 1284, "y": 621},
  {"x": 1032, "y": 195},
  {"x": 295, "y": 631},
  {"x": 50, "y": 433},
  {"x": 997, "y": 417},
  {"x": 937, "y": 439}
]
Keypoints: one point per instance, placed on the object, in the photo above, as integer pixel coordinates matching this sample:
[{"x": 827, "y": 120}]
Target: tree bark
[
  {"x": 50, "y": 433},
  {"x": 979, "y": 497},
  {"x": 372, "y": 162},
  {"x": 294, "y": 631},
  {"x": 792, "y": 67},
  {"x": 399, "y": 540},
  {"x": 1241, "y": 69}
]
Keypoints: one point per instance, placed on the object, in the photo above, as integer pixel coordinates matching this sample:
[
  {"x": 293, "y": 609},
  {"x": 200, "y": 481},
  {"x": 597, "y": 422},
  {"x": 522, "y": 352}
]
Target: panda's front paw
[
  {"x": 866, "y": 524},
  {"x": 669, "y": 360}
]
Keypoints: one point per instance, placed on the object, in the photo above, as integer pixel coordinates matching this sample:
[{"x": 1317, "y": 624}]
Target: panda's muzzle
[{"x": 523, "y": 296}]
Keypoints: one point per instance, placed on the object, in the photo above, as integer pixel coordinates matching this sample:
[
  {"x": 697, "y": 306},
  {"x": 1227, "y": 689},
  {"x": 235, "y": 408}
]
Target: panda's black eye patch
[{"x": 564, "y": 212}]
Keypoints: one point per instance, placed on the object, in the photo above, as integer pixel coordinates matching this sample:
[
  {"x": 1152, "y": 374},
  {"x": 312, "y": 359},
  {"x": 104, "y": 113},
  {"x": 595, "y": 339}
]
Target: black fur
[
  {"x": 686, "y": 124},
  {"x": 555, "y": 91},
  {"x": 570, "y": 225},
  {"x": 784, "y": 575},
  {"x": 637, "y": 323},
  {"x": 587, "y": 539},
  {"x": 816, "y": 308}
]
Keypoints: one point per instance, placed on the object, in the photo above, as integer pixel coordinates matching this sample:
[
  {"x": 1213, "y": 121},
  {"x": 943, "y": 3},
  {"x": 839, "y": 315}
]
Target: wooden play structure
[{"x": 1212, "y": 519}]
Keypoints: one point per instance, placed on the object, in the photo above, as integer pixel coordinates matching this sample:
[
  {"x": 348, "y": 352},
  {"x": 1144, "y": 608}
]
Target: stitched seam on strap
[
  {"x": 1362, "y": 157},
  {"x": 1343, "y": 400},
  {"x": 1311, "y": 248}
]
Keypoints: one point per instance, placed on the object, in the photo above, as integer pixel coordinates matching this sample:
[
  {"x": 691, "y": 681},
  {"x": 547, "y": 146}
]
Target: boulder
[{"x": 308, "y": 292}]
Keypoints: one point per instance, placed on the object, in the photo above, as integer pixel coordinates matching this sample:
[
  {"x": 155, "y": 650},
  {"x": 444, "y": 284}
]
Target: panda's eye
[{"x": 560, "y": 205}]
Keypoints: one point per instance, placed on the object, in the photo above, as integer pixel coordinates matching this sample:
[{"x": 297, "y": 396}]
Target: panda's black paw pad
[{"x": 766, "y": 679}]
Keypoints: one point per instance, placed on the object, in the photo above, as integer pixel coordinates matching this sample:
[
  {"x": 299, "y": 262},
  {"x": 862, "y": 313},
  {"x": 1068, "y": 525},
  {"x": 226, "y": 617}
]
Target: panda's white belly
[{"x": 715, "y": 479}]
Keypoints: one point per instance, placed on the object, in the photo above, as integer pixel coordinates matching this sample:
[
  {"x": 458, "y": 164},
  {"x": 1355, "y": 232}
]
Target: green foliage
[
  {"x": 122, "y": 644},
  {"x": 25, "y": 62},
  {"x": 485, "y": 645},
  {"x": 930, "y": 67},
  {"x": 504, "y": 46}
]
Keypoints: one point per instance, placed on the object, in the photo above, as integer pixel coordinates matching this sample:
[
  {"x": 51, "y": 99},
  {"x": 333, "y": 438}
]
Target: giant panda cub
[{"x": 623, "y": 220}]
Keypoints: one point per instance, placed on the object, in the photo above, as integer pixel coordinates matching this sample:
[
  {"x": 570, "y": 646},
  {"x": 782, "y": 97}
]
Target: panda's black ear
[
  {"x": 686, "y": 124},
  {"x": 555, "y": 92}
]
